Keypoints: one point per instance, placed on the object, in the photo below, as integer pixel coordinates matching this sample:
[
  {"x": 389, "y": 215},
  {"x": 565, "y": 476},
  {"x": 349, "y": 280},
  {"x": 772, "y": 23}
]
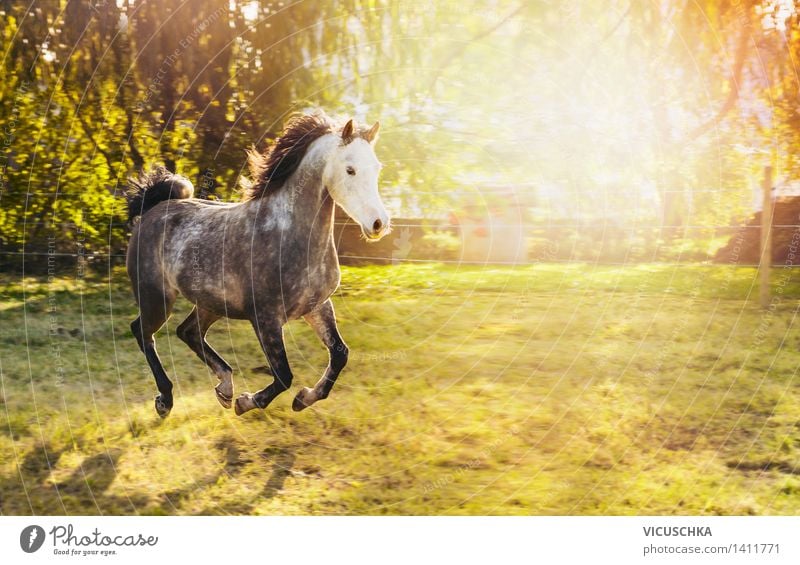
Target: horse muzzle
[{"x": 379, "y": 228}]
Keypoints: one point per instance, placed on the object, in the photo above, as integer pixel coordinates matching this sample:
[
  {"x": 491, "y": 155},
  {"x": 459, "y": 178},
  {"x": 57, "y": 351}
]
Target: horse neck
[{"x": 302, "y": 207}]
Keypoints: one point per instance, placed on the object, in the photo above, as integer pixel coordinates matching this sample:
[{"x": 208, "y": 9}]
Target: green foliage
[{"x": 638, "y": 112}]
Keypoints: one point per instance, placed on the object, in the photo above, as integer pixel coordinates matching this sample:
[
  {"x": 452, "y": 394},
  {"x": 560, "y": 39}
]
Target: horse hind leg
[
  {"x": 153, "y": 312},
  {"x": 193, "y": 332}
]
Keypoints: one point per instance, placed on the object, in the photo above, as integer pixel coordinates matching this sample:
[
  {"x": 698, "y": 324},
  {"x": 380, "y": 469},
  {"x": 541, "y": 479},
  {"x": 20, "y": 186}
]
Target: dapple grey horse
[{"x": 268, "y": 259}]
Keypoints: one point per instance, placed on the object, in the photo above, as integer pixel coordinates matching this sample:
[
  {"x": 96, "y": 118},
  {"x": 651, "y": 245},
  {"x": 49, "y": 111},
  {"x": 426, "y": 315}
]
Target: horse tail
[{"x": 156, "y": 186}]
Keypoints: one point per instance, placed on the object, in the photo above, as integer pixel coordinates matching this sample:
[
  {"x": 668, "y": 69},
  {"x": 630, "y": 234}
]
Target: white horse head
[{"x": 351, "y": 176}]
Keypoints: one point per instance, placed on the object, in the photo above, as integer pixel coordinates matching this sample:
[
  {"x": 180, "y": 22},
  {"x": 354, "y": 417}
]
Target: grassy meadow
[{"x": 544, "y": 389}]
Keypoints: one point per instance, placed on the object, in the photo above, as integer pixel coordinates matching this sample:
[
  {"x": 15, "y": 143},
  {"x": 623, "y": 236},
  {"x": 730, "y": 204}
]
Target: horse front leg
[
  {"x": 323, "y": 320},
  {"x": 271, "y": 338}
]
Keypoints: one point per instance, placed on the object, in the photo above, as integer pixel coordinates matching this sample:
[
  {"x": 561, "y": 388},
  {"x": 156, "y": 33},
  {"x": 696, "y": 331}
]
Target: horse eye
[{"x": 351, "y": 170}]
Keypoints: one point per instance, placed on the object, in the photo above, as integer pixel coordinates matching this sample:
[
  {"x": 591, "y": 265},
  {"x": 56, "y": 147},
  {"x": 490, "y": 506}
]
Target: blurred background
[{"x": 592, "y": 131}]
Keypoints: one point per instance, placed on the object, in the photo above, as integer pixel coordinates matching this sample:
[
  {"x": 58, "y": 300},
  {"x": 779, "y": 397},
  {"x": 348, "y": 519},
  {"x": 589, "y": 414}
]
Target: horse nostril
[{"x": 376, "y": 227}]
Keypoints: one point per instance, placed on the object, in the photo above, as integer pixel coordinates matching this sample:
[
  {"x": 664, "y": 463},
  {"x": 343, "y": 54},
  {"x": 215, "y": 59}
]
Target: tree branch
[
  {"x": 596, "y": 46},
  {"x": 87, "y": 129},
  {"x": 138, "y": 160},
  {"x": 733, "y": 95},
  {"x": 614, "y": 29},
  {"x": 459, "y": 50}
]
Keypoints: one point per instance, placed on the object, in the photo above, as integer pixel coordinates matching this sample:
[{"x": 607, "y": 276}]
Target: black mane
[{"x": 271, "y": 169}]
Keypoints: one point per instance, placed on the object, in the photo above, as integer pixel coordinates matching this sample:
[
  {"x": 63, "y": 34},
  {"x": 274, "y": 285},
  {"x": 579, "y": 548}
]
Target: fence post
[{"x": 765, "y": 259}]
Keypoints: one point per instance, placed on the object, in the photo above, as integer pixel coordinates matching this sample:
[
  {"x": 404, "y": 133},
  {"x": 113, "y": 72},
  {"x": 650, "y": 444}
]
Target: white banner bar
[{"x": 401, "y": 540}]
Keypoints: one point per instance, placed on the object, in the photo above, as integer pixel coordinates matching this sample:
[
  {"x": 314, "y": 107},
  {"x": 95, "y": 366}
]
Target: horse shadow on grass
[
  {"x": 280, "y": 459},
  {"x": 32, "y": 490},
  {"x": 25, "y": 491}
]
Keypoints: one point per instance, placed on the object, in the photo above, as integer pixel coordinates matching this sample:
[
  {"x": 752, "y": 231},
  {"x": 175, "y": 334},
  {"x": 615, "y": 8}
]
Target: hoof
[
  {"x": 161, "y": 407},
  {"x": 304, "y": 399},
  {"x": 244, "y": 403},
  {"x": 224, "y": 399}
]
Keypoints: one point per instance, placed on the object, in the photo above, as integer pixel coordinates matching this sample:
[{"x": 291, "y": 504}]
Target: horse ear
[
  {"x": 347, "y": 132},
  {"x": 372, "y": 135}
]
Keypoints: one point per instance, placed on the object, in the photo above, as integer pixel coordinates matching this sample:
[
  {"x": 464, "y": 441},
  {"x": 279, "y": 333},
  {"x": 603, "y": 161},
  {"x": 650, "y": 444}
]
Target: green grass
[{"x": 549, "y": 389}]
